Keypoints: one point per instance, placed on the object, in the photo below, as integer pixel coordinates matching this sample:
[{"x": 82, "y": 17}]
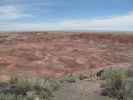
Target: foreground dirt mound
[
  {"x": 51, "y": 54},
  {"x": 80, "y": 90}
]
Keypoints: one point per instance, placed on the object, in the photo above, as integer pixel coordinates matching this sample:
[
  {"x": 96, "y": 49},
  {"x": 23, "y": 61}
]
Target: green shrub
[
  {"x": 115, "y": 83},
  {"x": 114, "y": 74},
  {"x": 129, "y": 89},
  {"x": 13, "y": 80},
  {"x": 29, "y": 89},
  {"x": 130, "y": 72},
  {"x": 69, "y": 78},
  {"x": 14, "y": 97}
]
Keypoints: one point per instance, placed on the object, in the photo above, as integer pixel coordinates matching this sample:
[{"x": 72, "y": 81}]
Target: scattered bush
[
  {"x": 28, "y": 89},
  {"x": 82, "y": 77},
  {"x": 99, "y": 73},
  {"x": 130, "y": 72},
  {"x": 114, "y": 73},
  {"x": 129, "y": 89},
  {"x": 117, "y": 84},
  {"x": 69, "y": 78}
]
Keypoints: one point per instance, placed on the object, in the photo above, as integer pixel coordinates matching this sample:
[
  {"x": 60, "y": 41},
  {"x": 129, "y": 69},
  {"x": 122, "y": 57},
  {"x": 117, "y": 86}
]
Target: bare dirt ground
[
  {"x": 54, "y": 55},
  {"x": 80, "y": 90}
]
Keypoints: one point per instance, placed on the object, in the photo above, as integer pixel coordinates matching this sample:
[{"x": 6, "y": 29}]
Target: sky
[{"x": 54, "y": 15}]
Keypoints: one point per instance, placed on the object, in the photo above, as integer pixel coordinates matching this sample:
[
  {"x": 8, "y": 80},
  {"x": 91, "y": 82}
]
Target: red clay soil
[{"x": 51, "y": 54}]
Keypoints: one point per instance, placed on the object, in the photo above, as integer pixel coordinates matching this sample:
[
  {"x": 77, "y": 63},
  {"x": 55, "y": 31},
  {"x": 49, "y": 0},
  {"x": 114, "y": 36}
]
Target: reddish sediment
[{"x": 54, "y": 55}]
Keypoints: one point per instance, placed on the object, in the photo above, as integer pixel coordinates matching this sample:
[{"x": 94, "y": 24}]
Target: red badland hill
[{"x": 53, "y": 54}]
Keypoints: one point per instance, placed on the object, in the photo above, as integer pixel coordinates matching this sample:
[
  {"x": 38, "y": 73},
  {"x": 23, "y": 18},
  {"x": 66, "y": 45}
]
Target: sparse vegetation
[
  {"x": 82, "y": 77},
  {"x": 28, "y": 89},
  {"x": 59, "y": 54},
  {"x": 69, "y": 78},
  {"x": 117, "y": 84}
]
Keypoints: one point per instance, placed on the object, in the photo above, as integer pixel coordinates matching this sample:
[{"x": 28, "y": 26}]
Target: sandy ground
[{"x": 80, "y": 90}]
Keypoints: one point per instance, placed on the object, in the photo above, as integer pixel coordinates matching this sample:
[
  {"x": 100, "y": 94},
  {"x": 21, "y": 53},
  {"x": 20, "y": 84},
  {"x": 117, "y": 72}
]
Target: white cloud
[
  {"x": 9, "y": 12},
  {"x": 124, "y": 22},
  {"x": 117, "y": 23}
]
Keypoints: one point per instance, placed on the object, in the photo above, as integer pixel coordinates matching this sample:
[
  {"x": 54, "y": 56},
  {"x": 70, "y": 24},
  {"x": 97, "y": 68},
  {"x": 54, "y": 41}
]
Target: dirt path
[{"x": 81, "y": 90}]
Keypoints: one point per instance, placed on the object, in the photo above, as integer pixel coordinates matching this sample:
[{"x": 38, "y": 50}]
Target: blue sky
[{"x": 39, "y": 15}]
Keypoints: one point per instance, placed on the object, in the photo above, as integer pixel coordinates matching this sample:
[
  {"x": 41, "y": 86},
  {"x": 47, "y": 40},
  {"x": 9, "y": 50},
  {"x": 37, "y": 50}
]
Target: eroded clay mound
[{"x": 47, "y": 54}]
